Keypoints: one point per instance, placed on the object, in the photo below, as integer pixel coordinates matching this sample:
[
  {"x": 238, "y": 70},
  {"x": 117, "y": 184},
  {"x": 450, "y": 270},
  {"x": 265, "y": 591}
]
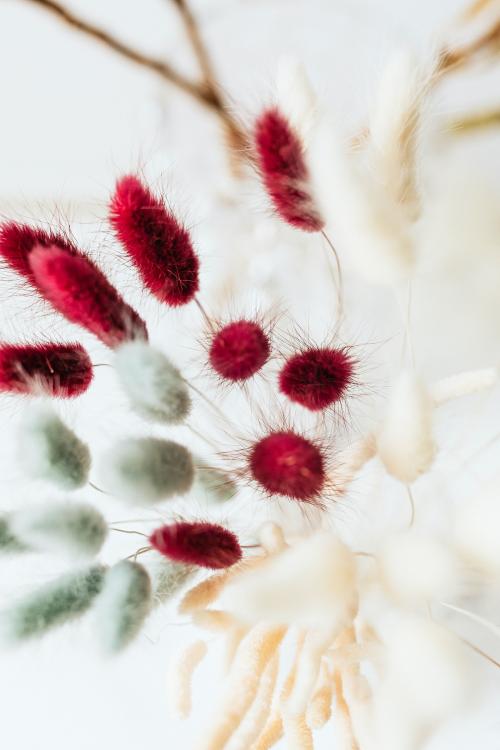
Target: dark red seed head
[
  {"x": 285, "y": 463},
  {"x": 284, "y": 172},
  {"x": 18, "y": 240},
  {"x": 59, "y": 370},
  {"x": 81, "y": 292},
  {"x": 205, "y": 544},
  {"x": 239, "y": 350},
  {"x": 317, "y": 378},
  {"x": 156, "y": 241}
]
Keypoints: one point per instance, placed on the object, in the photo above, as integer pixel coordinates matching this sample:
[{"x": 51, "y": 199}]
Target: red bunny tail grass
[
  {"x": 80, "y": 291},
  {"x": 198, "y": 543},
  {"x": 285, "y": 463},
  {"x": 157, "y": 243},
  {"x": 238, "y": 350},
  {"x": 317, "y": 378},
  {"x": 18, "y": 240},
  {"x": 283, "y": 170},
  {"x": 58, "y": 370}
]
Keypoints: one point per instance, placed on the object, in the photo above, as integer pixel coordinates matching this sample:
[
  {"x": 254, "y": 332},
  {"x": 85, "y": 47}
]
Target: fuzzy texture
[
  {"x": 146, "y": 470},
  {"x": 56, "y": 603},
  {"x": 56, "y": 370},
  {"x": 214, "y": 484},
  {"x": 367, "y": 229},
  {"x": 168, "y": 578},
  {"x": 416, "y": 568},
  {"x": 18, "y": 240},
  {"x": 123, "y": 605},
  {"x": 295, "y": 94},
  {"x": 463, "y": 384},
  {"x": 285, "y": 463},
  {"x": 239, "y": 350},
  {"x": 207, "y": 545},
  {"x": 307, "y": 584},
  {"x": 159, "y": 246},
  {"x": 394, "y": 129},
  {"x": 9, "y": 544},
  {"x": 77, "y": 289},
  {"x": 283, "y": 170},
  {"x": 180, "y": 678},
  {"x": 405, "y": 442},
  {"x": 154, "y": 386},
  {"x": 317, "y": 378},
  {"x": 49, "y": 450},
  {"x": 73, "y": 530}
]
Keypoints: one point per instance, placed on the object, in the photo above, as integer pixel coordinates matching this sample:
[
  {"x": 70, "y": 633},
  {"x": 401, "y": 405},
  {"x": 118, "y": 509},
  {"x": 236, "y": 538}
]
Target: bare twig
[{"x": 205, "y": 92}]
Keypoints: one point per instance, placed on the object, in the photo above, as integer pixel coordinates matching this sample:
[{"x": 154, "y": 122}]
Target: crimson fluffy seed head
[
  {"x": 239, "y": 350},
  {"x": 198, "y": 543},
  {"x": 59, "y": 370},
  {"x": 317, "y": 378},
  {"x": 80, "y": 291},
  {"x": 156, "y": 241},
  {"x": 18, "y": 240},
  {"x": 280, "y": 158},
  {"x": 285, "y": 463}
]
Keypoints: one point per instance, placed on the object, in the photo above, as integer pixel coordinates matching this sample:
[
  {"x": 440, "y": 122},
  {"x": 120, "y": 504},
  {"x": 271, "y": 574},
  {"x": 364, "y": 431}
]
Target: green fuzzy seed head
[
  {"x": 147, "y": 470},
  {"x": 49, "y": 450},
  {"x": 8, "y": 542},
  {"x": 76, "y": 530},
  {"x": 54, "y": 604},
  {"x": 168, "y": 579},
  {"x": 123, "y": 605}
]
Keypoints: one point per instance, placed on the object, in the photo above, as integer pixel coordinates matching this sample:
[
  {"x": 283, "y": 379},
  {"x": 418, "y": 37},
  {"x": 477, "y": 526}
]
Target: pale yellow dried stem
[
  {"x": 319, "y": 710},
  {"x": 214, "y": 620},
  {"x": 180, "y": 678},
  {"x": 343, "y": 714},
  {"x": 297, "y": 734},
  {"x": 234, "y": 636},
  {"x": 255, "y": 652},
  {"x": 315, "y": 645}
]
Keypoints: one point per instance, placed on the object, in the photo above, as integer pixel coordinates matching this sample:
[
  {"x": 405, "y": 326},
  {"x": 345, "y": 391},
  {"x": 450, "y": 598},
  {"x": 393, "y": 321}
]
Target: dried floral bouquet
[{"x": 314, "y": 629}]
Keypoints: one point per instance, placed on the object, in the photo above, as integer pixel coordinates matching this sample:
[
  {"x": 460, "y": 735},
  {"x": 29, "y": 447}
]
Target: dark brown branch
[{"x": 204, "y": 93}]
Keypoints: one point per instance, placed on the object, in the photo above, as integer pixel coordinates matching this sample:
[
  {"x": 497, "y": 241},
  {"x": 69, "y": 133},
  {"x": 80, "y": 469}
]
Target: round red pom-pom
[
  {"x": 156, "y": 241},
  {"x": 285, "y": 463},
  {"x": 59, "y": 370},
  {"x": 198, "y": 543},
  {"x": 317, "y": 378},
  {"x": 239, "y": 350},
  {"x": 81, "y": 292},
  {"x": 284, "y": 172},
  {"x": 18, "y": 240}
]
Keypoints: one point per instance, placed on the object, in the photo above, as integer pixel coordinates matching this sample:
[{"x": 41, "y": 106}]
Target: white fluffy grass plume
[
  {"x": 69, "y": 529},
  {"x": 123, "y": 605},
  {"x": 147, "y": 470},
  {"x": 405, "y": 441},
  {"x": 154, "y": 385},
  {"x": 50, "y": 450}
]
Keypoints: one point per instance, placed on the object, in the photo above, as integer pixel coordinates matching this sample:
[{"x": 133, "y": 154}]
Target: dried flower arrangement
[{"x": 314, "y": 629}]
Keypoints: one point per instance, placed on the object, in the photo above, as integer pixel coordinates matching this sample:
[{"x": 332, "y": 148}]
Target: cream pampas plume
[
  {"x": 146, "y": 470},
  {"x": 49, "y": 450},
  {"x": 154, "y": 385},
  {"x": 394, "y": 130},
  {"x": 180, "y": 677},
  {"x": 123, "y": 605},
  {"x": 72, "y": 530},
  {"x": 309, "y": 583},
  {"x": 405, "y": 441},
  {"x": 363, "y": 223},
  {"x": 295, "y": 95},
  {"x": 54, "y": 604}
]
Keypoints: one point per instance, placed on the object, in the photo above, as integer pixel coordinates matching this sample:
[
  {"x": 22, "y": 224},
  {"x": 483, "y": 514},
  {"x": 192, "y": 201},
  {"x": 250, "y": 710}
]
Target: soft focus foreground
[{"x": 361, "y": 489}]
